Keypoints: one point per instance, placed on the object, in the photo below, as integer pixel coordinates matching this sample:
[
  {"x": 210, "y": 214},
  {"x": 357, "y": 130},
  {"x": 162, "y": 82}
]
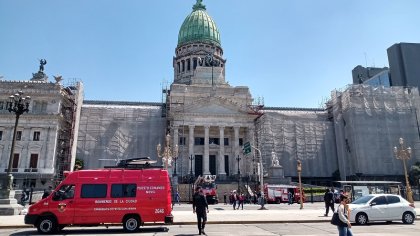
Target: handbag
[{"x": 335, "y": 220}]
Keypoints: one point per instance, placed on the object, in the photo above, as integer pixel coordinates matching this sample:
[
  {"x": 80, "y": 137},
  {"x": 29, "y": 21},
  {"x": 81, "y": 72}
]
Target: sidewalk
[{"x": 224, "y": 214}]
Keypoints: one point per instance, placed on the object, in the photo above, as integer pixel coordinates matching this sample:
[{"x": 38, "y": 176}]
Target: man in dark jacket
[
  {"x": 329, "y": 201},
  {"x": 47, "y": 192},
  {"x": 201, "y": 208}
]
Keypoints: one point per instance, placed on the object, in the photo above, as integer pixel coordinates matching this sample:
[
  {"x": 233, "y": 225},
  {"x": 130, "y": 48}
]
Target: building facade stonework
[{"x": 46, "y": 137}]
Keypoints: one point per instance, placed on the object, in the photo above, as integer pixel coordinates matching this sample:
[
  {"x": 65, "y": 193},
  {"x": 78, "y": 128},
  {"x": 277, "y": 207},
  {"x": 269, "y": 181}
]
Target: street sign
[{"x": 246, "y": 148}]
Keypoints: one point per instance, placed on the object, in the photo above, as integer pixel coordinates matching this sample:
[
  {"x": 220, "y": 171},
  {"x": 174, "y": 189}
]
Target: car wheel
[
  {"x": 408, "y": 218},
  {"x": 47, "y": 225},
  {"x": 361, "y": 218},
  {"x": 131, "y": 224}
]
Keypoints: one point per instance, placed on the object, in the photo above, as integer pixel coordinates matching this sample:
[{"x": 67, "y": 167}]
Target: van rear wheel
[
  {"x": 47, "y": 225},
  {"x": 131, "y": 224}
]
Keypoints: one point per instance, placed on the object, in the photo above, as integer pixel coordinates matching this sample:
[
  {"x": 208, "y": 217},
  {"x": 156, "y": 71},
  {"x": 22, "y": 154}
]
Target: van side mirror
[{"x": 372, "y": 204}]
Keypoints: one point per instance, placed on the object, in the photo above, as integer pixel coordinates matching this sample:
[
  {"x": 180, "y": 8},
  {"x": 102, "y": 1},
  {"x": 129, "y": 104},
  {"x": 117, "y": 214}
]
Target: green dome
[{"x": 198, "y": 27}]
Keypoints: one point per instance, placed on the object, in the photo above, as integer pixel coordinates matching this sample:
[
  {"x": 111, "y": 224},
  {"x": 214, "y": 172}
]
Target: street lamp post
[
  {"x": 18, "y": 105},
  {"x": 239, "y": 173},
  {"x": 262, "y": 200},
  {"x": 191, "y": 158},
  {"x": 404, "y": 154},
  {"x": 299, "y": 170}
]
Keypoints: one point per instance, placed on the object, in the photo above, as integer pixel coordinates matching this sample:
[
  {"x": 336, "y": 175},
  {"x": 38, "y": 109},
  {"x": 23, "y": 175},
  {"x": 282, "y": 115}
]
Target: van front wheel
[
  {"x": 131, "y": 224},
  {"x": 47, "y": 225}
]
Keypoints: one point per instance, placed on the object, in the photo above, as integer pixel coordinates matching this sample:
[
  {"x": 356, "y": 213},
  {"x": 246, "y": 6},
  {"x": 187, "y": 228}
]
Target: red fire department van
[
  {"x": 280, "y": 193},
  {"x": 131, "y": 193}
]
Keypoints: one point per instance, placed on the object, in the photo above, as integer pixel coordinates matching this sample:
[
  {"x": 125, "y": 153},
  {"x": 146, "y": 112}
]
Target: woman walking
[{"x": 343, "y": 214}]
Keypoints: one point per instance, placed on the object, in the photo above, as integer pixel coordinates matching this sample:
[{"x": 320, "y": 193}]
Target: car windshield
[{"x": 362, "y": 200}]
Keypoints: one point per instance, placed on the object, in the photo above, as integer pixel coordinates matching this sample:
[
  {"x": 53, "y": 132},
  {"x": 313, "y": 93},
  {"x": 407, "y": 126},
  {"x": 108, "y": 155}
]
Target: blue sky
[{"x": 292, "y": 53}]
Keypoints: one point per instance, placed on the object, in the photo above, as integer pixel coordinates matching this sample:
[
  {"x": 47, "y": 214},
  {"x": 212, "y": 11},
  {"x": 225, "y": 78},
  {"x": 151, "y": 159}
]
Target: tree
[
  {"x": 414, "y": 174},
  {"x": 78, "y": 164}
]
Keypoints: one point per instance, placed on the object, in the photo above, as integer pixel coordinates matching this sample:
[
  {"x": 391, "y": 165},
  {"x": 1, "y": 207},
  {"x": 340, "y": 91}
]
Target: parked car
[{"x": 382, "y": 207}]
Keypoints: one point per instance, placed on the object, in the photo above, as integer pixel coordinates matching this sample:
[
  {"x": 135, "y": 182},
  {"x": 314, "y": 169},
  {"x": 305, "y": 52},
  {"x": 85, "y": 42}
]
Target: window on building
[
  {"x": 178, "y": 67},
  {"x": 123, "y": 190},
  {"x": 93, "y": 191},
  {"x": 183, "y": 65},
  {"x": 241, "y": 141},
  {"x": 198, "y": 141},
  {"x": 15, "y": 162},
  {"x": 182, "y": 141},
  {"x": 2, "y": 105},
  {"x": 39, "y": 106},
  {"x": 33, "y": 162},
  {"x": 1, "y": 134},
  {"x": 18, "y": 135},
  {"x": 188, "y": 64},
  {"x": 226, "y": 141},
  {"x": 214, "y": 141},
  {"x": 37, "y": 134}
]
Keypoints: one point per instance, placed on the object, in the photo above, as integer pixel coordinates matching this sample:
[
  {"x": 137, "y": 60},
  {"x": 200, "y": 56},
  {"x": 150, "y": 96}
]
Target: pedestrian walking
[
  {"x": 201, "y": 208},
  {"x": 225, "y": 198},
  {"x": 234, "y": 199},
  {"x": 23, "y": 198},
  {"x": 329, "y": 201},
  {"x": 290, "y": 198},
  {"x": 177, "y": 197},
  {"x": 345, "y": 229},
  {"x": 47, "y": 192},
  {"x": 241, "y": 201}
]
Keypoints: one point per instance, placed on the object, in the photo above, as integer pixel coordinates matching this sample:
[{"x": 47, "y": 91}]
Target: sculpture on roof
[{"x": 42, "y": 63}]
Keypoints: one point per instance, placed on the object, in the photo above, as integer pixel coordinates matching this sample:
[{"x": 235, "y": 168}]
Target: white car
[{"x": 381, "y": 207}]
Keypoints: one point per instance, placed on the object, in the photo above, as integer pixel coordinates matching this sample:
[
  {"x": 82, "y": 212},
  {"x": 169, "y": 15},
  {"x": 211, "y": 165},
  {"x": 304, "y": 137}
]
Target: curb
[{"x": 192, "y": 223}]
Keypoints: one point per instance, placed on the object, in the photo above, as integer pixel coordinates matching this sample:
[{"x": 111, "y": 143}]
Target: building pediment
[{"x": 216, "y": 106}]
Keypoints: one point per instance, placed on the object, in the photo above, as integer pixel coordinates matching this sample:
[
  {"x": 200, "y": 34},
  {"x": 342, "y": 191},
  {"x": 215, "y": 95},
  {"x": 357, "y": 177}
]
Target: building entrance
[
  {"x": 198, "y": 165},
  {"x": 212, "y": 164}
]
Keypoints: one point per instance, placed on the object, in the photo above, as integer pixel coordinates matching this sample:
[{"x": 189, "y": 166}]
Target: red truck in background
[
  {"x": 208, "y": 184},
  {"x": 130, "y": 194},
  {"x": 280, "y": 193}
]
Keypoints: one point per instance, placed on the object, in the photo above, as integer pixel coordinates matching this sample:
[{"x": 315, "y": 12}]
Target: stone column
[
  {"x": 221, "y": 159},
  {"x": 236, "y": 148},
  {"x": 253, "y": 165},
  {"x": 206, "y": 170},
  {"x": 191, "y": 147},
  {"x": 175, "y": 142}
]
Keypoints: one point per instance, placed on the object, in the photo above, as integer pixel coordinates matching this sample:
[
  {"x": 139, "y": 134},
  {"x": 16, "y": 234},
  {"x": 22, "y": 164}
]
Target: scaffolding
[
  {"x": 67, "y": 118},
  {"x": 368, "y": 122},
  {"x": 111, "y": 131}
]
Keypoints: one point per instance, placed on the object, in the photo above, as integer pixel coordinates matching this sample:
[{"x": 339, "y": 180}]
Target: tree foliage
[
  {"x": 414, "y": 174},
  {"x": 78, "y": 164}
]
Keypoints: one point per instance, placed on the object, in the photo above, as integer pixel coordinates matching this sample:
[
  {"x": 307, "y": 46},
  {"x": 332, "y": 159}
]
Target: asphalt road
[{"x": 308, "y": 229}]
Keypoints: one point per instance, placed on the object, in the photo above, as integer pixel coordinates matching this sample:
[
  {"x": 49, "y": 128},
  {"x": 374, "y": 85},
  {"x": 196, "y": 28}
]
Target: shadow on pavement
[{"x": 70, "y": 231}]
